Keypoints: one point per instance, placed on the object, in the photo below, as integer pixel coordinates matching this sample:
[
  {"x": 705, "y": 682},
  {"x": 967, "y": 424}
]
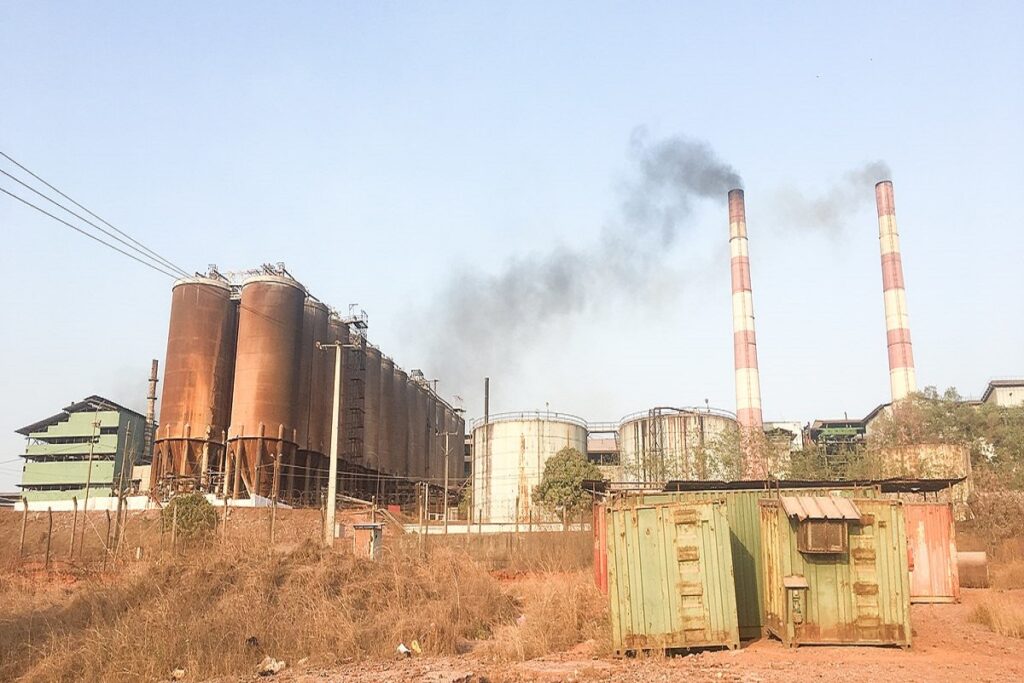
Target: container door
[
  {"x": 867, "y": 620},
  {"x": 930, "y": 536}
]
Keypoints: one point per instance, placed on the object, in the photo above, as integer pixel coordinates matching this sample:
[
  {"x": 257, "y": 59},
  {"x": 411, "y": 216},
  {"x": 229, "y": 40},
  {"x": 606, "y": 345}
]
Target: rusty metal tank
[
  {"x": 198, "y": 371},
  {"x": 312, "y": 394},
  {"x": 371, "y": 407},
  {"x": 417, "y": 464},
  {"x": 353, "y": 447},
  {"x": 400, "y": 419},
  {"x": 433, "y": 439},
  {"x": 264, "y": 407},
  {"x": 387, "y": 422}
]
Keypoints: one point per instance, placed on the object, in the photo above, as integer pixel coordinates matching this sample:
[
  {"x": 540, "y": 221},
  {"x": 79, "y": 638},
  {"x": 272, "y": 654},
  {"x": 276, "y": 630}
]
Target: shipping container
[
  {"x": 931, "y": 536},
  {"x": 835, "y": 570},
  {"x": 745, "y": 537},
  {"x": 670, "y": 578}
]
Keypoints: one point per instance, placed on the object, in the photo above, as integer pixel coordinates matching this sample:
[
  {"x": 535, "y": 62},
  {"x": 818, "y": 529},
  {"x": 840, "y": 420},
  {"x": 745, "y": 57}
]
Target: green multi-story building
[{"x": 94, "y": 434}]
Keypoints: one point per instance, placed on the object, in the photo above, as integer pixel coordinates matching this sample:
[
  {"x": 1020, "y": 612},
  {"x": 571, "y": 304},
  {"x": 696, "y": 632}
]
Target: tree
[{"x": 560, "y": 486}]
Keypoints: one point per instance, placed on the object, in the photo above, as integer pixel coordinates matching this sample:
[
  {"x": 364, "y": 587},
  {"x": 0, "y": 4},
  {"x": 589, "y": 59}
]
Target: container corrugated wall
[
  {"x": 931, "y": 536},
  {"x": 861, "y": 596},
  {"x": 670, "y": 576},
  {"x": 745, "y": 541}
]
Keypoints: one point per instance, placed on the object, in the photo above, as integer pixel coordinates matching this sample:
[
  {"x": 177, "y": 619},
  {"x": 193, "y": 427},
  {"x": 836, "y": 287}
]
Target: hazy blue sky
[{"x": 383, "y": 149}]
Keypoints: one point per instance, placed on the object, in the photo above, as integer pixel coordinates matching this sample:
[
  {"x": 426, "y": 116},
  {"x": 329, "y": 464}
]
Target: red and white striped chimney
[
  {"x": 748, "y": 383},
  {"x": 902, "y": 378}
]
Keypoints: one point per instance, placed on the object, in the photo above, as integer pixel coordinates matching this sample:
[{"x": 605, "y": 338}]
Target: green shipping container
[
  {"x": 670, "y": 577},
  {"x": 835, "y": 578},
  {"x": 745, "y": 539}
]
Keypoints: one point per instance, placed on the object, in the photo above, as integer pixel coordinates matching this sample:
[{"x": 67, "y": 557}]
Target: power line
[
  {"x": 89, "y": 235},
  {"x": 138, "y": 244},
  {"x": 86, "y": 220}
]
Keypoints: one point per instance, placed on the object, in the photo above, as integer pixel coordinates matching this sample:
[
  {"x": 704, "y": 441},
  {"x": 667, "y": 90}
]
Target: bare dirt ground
[{"x": 947, "y": 647}]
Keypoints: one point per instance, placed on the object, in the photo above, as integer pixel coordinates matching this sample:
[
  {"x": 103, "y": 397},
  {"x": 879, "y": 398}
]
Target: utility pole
[
  {"x": 332, "y": 480},
  {"x": 88, "y": 476},
  {"x": 445, "y": 498}
]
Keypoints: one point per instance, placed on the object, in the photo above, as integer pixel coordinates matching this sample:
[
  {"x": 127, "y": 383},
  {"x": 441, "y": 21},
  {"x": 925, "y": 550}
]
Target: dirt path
[{"x": 947, "y": 647}]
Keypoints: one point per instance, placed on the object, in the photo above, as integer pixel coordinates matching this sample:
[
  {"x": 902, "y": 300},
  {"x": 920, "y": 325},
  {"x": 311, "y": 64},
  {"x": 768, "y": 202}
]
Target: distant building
[
  {"x": 1006, "y": 393},
  {"x": 60, "y": 448},
  {"x": 788, "y": 434}
]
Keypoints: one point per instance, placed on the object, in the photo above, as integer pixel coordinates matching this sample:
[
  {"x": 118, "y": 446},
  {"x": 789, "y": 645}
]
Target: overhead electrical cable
[
  {"x": 158, "y": 262},
  {"x": 138, "y": 245},
  {"x": 90, "y": 235}
]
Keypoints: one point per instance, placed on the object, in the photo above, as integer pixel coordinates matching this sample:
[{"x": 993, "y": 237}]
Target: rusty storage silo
[
  {"x": 198, "y": 371},
  {"x": 371, "y": 418},
  {"x": 386, "y": 421},
  {"x": 401, "y": 421},
  {"x": 264, "y": 406},
  {"x": 313, "y": 367},
  {"x": 435, "y": 439},
  {"x": 353, "y": 446},
  {"x": 835, "y": 570},
  {"x": 417, "y": 430}
]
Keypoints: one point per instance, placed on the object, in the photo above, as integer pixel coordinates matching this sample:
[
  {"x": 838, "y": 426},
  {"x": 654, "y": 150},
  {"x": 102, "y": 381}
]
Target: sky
[{"x": 402, "y": 156}]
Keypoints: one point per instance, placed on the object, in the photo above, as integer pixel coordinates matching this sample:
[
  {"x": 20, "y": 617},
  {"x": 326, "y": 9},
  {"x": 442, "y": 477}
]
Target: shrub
[{"x": 196, "y": 517}]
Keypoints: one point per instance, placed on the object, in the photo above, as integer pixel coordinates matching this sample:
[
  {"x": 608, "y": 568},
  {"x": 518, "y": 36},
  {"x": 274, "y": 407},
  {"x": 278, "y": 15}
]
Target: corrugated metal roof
[{"x": 820, "y": 507}]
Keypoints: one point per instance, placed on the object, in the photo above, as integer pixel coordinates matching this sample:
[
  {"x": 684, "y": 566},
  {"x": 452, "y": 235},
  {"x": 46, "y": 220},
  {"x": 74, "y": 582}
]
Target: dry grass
[
  {"x": 554, "y": 551},
  {"x": 1008, "y": 575},
  {"x": 1005, "y": 617},
  {"x": 557, "y": 612},
  {"x": 218, "y": 610},
  {"x": 220, "y": 614}
]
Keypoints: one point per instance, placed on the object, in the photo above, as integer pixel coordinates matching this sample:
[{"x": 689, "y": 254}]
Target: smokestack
[
  {"x": 902, "y": 378},
  {"x": 147, "y": 447},
  {"x": 748, "y": 383}
]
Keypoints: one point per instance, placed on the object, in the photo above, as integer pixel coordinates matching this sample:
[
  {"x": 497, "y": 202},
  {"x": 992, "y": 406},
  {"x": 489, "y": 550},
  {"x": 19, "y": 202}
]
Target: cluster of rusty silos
[{"x": 248, "y": 397}]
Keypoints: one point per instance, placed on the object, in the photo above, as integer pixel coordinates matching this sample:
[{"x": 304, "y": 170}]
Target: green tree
[{"x": 560, "y": 486}]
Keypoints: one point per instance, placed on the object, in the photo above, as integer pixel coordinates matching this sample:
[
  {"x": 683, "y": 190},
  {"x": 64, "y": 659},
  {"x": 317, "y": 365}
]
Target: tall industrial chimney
[
  {"x": 748, "y": 383},
  {"x": 902, "y": 378}
]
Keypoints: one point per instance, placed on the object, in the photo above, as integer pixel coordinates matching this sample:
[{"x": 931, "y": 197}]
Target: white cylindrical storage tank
[
  {"x": 662, "y": 444},
  {"x": 509, "y": 454}
]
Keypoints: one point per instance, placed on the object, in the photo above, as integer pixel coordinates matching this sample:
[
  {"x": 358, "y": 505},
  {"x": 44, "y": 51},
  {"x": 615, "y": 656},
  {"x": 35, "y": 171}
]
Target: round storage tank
[
  {"x": 195, "y": 406},
  {"x": 313, "y": 366},
  {"x": 264, "y": 406},
  {"x": 509, "y": 454},
  {"x": 662, "y": 444}
]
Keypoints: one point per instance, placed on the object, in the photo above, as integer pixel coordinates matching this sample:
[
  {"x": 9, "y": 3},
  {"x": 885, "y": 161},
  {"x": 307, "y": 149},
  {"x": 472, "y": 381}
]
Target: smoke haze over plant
[
  {"x": 830, "y": 210},
  {"x": 483, "y": 319}
]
